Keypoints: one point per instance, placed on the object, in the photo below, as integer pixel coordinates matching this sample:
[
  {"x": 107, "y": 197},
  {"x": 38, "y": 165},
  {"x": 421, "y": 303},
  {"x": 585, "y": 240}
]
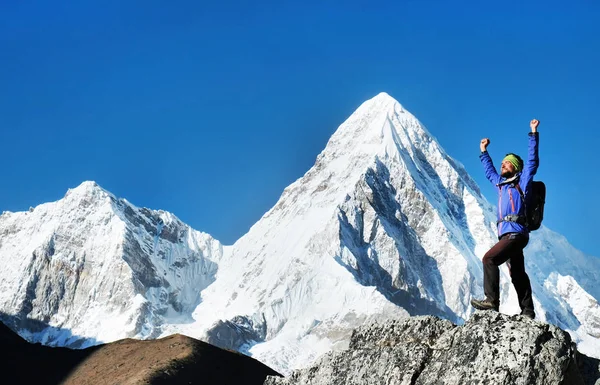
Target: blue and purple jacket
[{"x": 509, "y": 198}]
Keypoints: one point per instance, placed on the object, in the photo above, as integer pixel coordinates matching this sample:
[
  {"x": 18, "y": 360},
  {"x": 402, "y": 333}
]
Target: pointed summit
[
  {"x": 88, "y": 191},
  {"x": 86, "y": 187},
  {"x": 383, "y": 95},
  {"x": 382, "y": 130},
  {"x": 89, "y": 184},
  {"x": 384, "y": 99},
  {"x": 381, "y": 127}
]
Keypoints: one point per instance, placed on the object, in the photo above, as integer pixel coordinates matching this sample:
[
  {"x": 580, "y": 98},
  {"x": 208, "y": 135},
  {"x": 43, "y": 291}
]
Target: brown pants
[{"x": 509, "y": 249}]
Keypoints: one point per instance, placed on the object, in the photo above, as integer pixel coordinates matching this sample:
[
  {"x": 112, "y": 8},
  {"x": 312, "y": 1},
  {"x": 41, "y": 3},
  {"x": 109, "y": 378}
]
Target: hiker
[{"x": 513, "y": 183}]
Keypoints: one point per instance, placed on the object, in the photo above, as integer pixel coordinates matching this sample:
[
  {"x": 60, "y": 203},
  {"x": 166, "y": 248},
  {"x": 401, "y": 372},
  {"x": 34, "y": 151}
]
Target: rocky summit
[{"x": 490, "y": 348}]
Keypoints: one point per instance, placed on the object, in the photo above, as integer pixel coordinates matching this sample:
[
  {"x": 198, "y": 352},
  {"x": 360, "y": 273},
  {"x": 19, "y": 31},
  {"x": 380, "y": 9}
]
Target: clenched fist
[
  {"x": 483, "y": 145},
  {"x": 534, "y": 124}
]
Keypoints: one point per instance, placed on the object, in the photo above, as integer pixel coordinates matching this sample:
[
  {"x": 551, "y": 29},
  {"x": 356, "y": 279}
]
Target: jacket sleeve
[
  {"x": 533, "y": 161},
  {"x": 490, "y": 171}
]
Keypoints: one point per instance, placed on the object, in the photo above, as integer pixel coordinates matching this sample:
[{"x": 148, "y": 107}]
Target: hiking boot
[
  {"x": 485, "y": 304},
  {"x": 528, "y": 313}
]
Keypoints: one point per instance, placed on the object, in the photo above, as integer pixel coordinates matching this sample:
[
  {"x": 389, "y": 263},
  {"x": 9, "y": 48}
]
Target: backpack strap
[
  {"x": 521, "y": 193},
  {"x": 524, "y": 222},
  {"x": 520, "y": 219}
]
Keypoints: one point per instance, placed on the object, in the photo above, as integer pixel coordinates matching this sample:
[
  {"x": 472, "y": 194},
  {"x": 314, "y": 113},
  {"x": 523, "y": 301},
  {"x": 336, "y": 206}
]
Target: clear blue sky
[{"x": 210, "y": 109}]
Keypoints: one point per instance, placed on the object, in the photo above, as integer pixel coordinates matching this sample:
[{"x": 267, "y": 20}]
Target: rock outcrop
[{"x": 490, "y": 348}]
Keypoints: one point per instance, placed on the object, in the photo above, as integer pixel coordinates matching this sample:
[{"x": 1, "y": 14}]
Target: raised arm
[
  {"x": 533, "y": 160},
  {"x": 490, "y": 171}
]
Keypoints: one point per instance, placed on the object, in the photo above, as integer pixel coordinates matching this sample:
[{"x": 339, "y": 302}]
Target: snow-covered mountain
[
  {"x": 384, "y": 225},
  {"x": 94, "y": 266}
]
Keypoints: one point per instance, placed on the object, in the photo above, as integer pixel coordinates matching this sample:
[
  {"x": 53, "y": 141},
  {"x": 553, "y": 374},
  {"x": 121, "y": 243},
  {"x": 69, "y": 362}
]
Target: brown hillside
[{"x": 176, "y": 359}]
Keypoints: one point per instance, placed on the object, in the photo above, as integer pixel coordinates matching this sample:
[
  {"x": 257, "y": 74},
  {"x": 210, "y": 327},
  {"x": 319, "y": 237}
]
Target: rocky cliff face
[{"x": 490, "y": 348}]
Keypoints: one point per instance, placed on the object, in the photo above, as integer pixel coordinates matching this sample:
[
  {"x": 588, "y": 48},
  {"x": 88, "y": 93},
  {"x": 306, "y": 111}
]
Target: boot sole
[{"x": 478, "y": 307}]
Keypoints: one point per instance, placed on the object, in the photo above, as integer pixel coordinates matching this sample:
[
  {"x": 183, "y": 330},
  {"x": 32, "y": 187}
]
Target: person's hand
[
  {"x": 534, "y": 125},
  {"x": 483, "y": 145}
]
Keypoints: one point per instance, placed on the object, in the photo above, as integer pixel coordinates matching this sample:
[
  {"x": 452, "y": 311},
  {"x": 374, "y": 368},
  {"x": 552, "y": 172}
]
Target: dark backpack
[{"x": 534, "y": 206}]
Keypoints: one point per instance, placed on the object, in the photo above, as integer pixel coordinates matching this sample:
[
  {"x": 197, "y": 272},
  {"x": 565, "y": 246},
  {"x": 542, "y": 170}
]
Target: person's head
[{"x": 511, "y": 164}]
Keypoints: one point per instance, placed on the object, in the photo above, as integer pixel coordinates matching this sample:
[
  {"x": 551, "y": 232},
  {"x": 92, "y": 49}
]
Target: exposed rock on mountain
[{"x": 490, "y": 348}]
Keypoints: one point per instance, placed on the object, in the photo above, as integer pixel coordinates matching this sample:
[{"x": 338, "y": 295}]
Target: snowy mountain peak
[
  {"x": 380, "y": 132},
  {"x": 100, "y": 268},
  {"x": 86, "y": 190},
  {"x": 383, "y": 100},
  {"x": 380, "y": 127},
  {"x": 88, "y": 185}
]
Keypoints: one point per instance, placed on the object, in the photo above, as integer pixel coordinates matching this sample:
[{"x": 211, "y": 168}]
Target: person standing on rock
[{"x": 513, "y": 182}]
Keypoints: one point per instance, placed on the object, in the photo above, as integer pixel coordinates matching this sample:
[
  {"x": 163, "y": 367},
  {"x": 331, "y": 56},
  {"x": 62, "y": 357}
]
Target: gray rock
[
  {"x": 238, "y": 333},
  {"x": 490, "y": 348}
]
